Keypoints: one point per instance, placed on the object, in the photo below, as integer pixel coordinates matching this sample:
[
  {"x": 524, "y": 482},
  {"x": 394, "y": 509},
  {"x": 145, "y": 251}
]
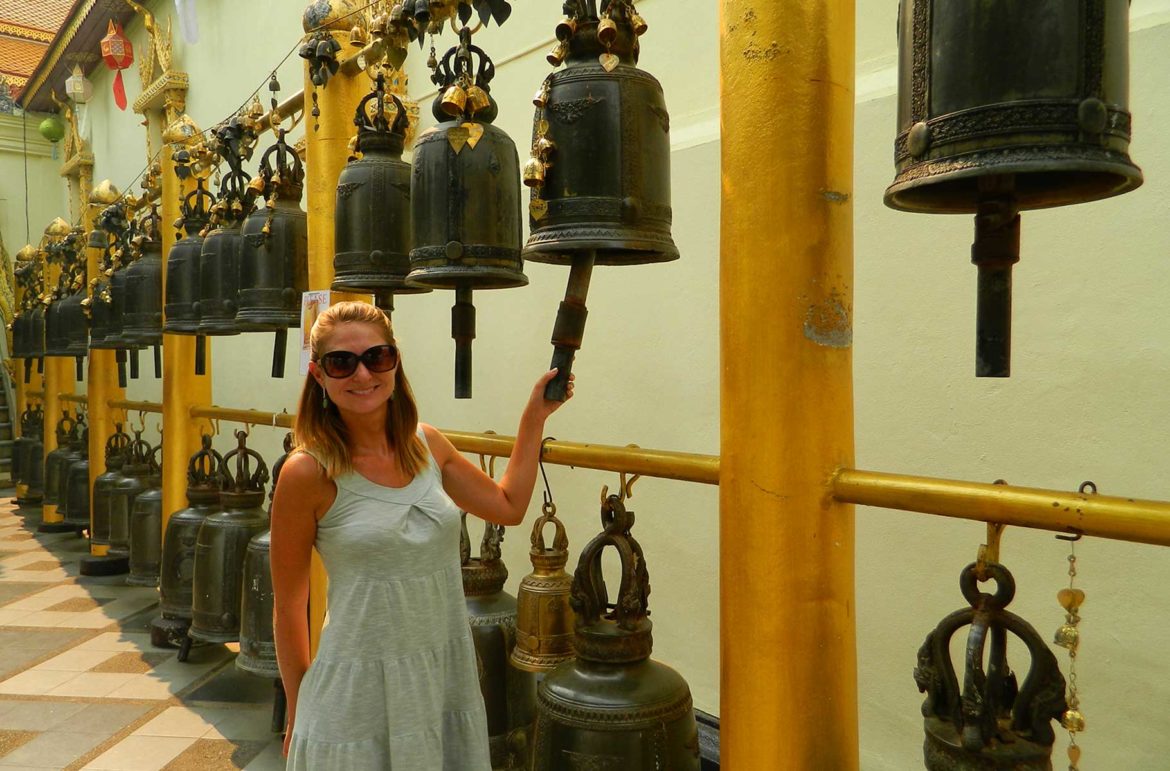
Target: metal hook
[
  {"x": 141, "y": 420},
  {"x": 1086, "y": 488},
  {"x": 247, "y": 429},
  {"x": 548, "y": 496}
]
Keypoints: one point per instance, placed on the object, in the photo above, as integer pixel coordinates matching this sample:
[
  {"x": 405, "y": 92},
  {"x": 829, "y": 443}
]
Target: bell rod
[{"x": 570, "y": 325}]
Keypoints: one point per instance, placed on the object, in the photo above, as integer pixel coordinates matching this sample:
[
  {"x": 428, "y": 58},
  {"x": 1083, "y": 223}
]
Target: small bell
[
  {"x": 1067, "y": 637},
  {"x": 533, "y": 173},
  {"x": 540, "y": 98},
  {"x": 358, "y": 37},
  {"x": 1073, "y": 720},
  {"x": 454, "y": 101},
  {"x": 565, "y": 29},
  {"x": 607, "y": 32},
  {"x": 639, "y": 24},
  {"x": 545, "y": 150},
  {"x": 544, "y": 619},
  {"x": 477, "y": 100},
  {"x": 558, "y": 54}
]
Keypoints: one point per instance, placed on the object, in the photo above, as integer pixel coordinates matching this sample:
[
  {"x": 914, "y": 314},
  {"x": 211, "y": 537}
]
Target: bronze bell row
[
  {"x": 451, "y": 220},
  {"x": 983, "y": 129},
  {"x": 66, "y": 331},
  {"x": 28, "y": 463},
  {"x": 239, "y": 268}
]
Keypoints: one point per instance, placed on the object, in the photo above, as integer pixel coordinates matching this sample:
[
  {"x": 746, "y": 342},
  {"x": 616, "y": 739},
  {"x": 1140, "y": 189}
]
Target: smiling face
[{"x": 363, "y": 392}]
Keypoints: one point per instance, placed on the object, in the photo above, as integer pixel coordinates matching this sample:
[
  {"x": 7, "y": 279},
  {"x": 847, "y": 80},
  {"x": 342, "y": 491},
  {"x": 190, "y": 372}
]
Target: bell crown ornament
[
  {"x": 991, "y": 721},
  {"x": 138, "y": 459},
  {"x": 621, "y": 634},
  {"x": 242, "y": 488},
  {"x": 117, "y": 448},
  {"x": 487, "y": 573},
  {"x": 203, "y": 483}
]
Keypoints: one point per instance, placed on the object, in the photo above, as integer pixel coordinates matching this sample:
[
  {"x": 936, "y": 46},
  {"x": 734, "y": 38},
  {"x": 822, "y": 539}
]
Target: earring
[{"x": 324, "y": 399}]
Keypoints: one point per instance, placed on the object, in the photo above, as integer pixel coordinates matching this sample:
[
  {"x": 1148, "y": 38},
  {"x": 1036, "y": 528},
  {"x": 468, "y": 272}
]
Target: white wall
[
  {"x": 1086, "y": 400},
  {"x": 46, "y": 197}
]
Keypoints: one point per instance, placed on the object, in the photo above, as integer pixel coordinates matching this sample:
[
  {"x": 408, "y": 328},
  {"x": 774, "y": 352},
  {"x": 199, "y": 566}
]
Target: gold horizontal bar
[
  {"x": 250, "y": 417},
  {"x": 35, "y": 394},
  {"x": 75, "y": 398},
  {"x": 1105, "y": 516},
  {"x": 664, "y": 464},
  {"x": 122, "y": 404}
]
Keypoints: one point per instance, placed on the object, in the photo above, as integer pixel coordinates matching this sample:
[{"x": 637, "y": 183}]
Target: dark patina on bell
[
  {"x": 177, "y": 569},
  {"x": 274, "y": 257},
  {"x": 544, "y": 618},
  {"x": 217, "y": 585},
  {"x": 135, "y": 472},
  {"x": 55, "y": 458},
  {"x": 465, "y": 198},
  {"x": 117, "y": 455},
  {"x": 73, "y": 497},
  {"x": 372, "y": 236},
  {"x": 509, "y": 694},
  {"x": 992, "y": 721},
  {"x": 142, "y": 324},
  {"x": 1003, "y": 107},
  {"x": 146, "y": 526},
  {"x": 612, "y": 706},
  {"x": 32, "y": 465},
  {"x": 600, "y": 166},
  {"x": 182, "y": 286}
]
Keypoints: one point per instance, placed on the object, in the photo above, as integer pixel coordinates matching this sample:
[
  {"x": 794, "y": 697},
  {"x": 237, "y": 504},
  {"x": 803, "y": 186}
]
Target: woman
[{"x": 394, "y": 683}]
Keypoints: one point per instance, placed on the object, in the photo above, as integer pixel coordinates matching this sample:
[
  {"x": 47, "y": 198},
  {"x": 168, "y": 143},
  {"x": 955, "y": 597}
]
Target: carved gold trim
[
  {"x": 64, "y": 38},
  {"x": 25, "y": 33},
  {"x": 154, "y": 96},
  {"x": 73, "y": 168}
]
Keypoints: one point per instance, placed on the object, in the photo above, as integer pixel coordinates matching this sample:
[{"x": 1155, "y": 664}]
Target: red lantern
[{"x": 118, "y": 54}]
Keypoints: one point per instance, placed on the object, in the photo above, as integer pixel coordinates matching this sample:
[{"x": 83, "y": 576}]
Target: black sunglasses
[{"x": 380, "y": 358}]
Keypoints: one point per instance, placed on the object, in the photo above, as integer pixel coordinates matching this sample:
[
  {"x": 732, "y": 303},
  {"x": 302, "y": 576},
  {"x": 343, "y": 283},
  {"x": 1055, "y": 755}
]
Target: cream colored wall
[
  {"x": 46, "y": 192},
  {"x": 1087, "y": 399}
]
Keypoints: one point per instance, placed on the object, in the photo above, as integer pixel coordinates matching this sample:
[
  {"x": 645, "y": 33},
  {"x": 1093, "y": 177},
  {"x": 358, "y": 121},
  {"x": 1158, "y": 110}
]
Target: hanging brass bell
[
  {"x": 544, "y": 618},
  {"x": 477, "y": 100},
  {"x": 612, "y": 706},
  {"x": 1067, "y": 636},
  {"x": 639, "y": 24},
  {"x": 454, "y": 100},
  {"x": 992, "y": 721},
  {"x": 117, "y": 450},
  {"x": 607, "y": 32},
  {"x": 182, "y": 276},
  {"x": 545, "y": 150},
  {"x": 146, "y": 527},
  {"x": 565, "y": 28},
  {"x": 557, "y": 54},
  {"x": 533, "y": 174}
]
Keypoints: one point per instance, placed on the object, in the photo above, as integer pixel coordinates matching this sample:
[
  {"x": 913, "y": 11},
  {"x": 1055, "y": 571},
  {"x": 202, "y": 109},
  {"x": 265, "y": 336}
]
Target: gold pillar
[
  {"x": 101, "y": 382},
  {"x": 326, "y": 152},
  {"x": 787, "y": 622},
  {"x": 182, "y": 388}
]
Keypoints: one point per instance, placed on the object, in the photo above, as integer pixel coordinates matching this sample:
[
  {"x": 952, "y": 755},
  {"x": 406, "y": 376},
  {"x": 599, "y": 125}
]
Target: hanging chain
[{"x": 1068, "y": 636}]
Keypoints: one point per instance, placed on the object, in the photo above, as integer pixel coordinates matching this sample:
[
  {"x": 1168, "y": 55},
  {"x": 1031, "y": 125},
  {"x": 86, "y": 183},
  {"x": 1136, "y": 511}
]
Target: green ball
[{"x": 52, "y": 129}]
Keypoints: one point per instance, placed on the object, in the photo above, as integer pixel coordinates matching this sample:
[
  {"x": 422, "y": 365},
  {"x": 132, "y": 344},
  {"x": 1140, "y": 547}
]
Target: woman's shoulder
[
  {"x": 439, "y": 446},
  {"x": 303, "y": 479}
]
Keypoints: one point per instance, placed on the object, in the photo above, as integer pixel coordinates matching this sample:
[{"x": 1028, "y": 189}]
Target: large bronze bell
[
  {"x": 465, "y": 202},
  {"x": 142, "y": 323},
  {"x": 182, "y": 289},
  {"x": 1007, "y": 106},
  {"x": 73, "y": 498},
  {"x": 544, "y": 619},
  {"x": 33, "y": 463},
  {"x": 613, "y": 707},
  {"x": 177, "y": 569},
  {"x": 992, "y": 721},
  {"x": 117, "y": 451},
  {"x": 221, "y": 545},
  {"x": 600, "y": 166},
  {"x": 135, "y": 471},
  {"x": 257, "y": 637},
  {"x": 53, "y": 460},
  {"x": 509, "y": 694},
  {"x": 372, "y": 234},
  {"x": 146, "y": 526},
  {"x": 274, "y": 262}
]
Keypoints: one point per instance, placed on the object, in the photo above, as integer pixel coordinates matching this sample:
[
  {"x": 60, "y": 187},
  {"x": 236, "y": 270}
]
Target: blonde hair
[{"x": 321, "y": 432}]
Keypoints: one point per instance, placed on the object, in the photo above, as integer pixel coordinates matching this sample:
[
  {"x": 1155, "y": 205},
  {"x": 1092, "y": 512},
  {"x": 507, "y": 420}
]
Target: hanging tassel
[
  {"x": 188, "y": 24},
  {"x": 119, "y": 91}
]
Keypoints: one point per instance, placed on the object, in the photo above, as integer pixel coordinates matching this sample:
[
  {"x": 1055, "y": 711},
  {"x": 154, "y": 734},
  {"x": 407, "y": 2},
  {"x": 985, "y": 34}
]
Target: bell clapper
[
  {"x": 570, "y": 324},
  {"x": 463, "y": 331}
]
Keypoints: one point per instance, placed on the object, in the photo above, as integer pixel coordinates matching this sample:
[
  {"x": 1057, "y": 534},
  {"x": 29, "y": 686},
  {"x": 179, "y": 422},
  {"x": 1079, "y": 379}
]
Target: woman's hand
[{"x": 539, "y": 407}]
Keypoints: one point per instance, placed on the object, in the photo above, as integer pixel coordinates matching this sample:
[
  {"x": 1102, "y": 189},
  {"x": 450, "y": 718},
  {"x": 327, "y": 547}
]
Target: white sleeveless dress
[{"x": 395, "y": 681}]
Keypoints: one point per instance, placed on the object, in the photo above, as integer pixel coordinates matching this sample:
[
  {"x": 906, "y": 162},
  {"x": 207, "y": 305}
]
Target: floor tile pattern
[{"x": 82, "y": 688}]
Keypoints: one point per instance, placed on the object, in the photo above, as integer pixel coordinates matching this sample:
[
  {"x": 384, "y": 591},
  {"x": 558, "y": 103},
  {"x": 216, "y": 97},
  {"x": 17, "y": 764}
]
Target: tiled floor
[{"x": 81, "y": 687}]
